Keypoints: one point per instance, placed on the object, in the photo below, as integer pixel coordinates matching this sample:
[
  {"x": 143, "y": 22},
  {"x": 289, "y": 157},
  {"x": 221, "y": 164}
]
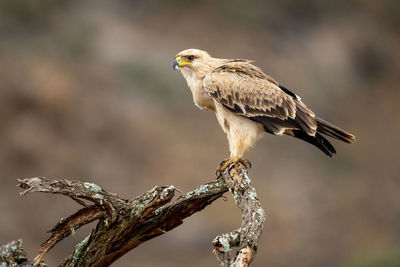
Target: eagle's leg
[
  {"x": 237, "y": 147},
  {"x": 242, "y": 134}
]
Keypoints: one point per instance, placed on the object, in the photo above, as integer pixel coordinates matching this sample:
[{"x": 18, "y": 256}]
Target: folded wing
[{"x": 245, "y": 90}]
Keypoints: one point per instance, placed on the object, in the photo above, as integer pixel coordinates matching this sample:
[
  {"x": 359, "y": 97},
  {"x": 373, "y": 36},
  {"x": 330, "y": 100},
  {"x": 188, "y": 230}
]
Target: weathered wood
[
  {"x": 125, "y": 224},
  {"x": 238, "y": 248},
  {"x": 12, "y": 254}
]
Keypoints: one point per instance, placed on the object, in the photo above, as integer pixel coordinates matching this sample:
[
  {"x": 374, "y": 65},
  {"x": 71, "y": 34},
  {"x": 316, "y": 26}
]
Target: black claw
[
  {"x": 230, "y": 167},
  {"x": 218, "y": 172},
  {"x": 248, "y": 166}
]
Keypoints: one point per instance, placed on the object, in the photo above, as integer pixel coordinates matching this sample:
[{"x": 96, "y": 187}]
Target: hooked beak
[
  {"x": 179, "y": 63},
  {"x": 175, "y": 64}
]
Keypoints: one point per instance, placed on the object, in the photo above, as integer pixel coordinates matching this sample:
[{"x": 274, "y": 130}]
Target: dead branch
[
  {"x": 125, "y": 224},
  {"x": 238, "y": 248},
  {"x": 12, "y": 254}
]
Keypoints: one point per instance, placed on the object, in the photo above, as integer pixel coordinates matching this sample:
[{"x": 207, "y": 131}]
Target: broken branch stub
[{"x": 12, "y": 254}]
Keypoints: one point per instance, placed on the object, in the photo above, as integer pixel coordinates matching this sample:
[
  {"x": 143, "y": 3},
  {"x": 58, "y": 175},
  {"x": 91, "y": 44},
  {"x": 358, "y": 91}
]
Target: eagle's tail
[
  {"x": 324, "y": 127},
  {"x": 293, "y": 128},
  {"x": 317, "y": 140},
  {"x": 331, "y": 130}
]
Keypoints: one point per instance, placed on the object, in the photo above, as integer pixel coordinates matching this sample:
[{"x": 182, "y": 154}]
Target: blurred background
[{"x": 87, "y": 92}]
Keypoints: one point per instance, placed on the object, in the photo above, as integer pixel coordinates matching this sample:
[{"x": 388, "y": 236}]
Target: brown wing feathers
[{"x": 244, "y": 89}]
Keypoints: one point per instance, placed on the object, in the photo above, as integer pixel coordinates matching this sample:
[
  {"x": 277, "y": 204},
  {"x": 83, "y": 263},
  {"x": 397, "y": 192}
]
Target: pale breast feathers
[{"x": 245, "y": 89}]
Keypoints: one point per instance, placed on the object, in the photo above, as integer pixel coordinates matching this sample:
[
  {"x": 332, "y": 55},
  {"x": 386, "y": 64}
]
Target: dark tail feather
[
  {"x": 331, "y": 130},
  {"x": 318, "y": 141}
]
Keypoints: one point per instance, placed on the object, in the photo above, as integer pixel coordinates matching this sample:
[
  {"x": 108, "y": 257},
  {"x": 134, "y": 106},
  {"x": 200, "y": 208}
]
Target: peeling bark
[
  {"x": 12, "y": 254},
  {"x": 239, "y": 247},
  {"x": 125, "y": 224}
]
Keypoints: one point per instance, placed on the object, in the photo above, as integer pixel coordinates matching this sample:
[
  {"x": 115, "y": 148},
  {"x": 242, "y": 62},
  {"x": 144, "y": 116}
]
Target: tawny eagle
[{"x": 248, "y": 102}]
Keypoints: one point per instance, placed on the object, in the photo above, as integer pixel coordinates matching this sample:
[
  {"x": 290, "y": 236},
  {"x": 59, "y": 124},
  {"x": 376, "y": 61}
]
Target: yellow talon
[{"x": 227, "y": 163}]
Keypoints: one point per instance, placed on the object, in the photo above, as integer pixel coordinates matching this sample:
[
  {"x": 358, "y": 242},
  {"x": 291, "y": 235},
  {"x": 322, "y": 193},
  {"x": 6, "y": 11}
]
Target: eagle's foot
[{"x": 230, "y": 163}]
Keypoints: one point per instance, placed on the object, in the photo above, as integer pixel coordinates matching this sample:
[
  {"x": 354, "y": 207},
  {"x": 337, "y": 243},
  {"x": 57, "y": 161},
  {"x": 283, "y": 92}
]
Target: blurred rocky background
[{"x": 87, "y": 92}]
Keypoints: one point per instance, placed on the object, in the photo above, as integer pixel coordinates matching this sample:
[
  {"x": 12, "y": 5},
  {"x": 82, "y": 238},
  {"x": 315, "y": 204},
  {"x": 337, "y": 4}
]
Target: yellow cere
[{"x": 182, "y": 63}]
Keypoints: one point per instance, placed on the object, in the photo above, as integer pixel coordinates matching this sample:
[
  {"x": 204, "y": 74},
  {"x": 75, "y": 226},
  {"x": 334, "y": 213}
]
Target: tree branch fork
[{"x": 125, "y": 224}]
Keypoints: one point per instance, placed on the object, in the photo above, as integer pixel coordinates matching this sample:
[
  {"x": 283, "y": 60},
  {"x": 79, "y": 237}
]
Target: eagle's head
[
  {"x": 193, "y": 61},
  {"x": 190, "y": 57}
]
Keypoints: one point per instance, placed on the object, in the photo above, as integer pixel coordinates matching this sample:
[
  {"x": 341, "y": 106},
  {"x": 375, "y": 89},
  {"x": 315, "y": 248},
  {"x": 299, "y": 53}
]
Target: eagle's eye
[{"x": 191, "y": 57}]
